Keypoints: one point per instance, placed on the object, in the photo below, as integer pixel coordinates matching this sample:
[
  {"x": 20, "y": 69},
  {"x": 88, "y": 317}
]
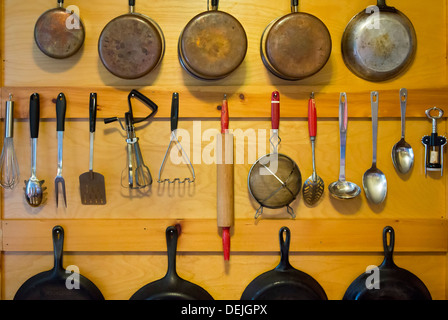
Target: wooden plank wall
[{"x": 121, "y": 246}]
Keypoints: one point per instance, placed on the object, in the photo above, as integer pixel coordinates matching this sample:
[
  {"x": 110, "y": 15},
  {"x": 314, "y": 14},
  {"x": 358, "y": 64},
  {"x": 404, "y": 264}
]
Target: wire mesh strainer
[{"x": 274, "y": 180}]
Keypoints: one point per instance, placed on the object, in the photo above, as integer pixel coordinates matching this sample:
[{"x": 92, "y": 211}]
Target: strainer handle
[{"x": 275, "y": 110}]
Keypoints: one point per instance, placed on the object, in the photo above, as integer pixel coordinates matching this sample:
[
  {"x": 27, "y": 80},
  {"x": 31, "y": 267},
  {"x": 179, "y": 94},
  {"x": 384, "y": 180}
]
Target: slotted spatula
[{"x": 91, "y": 184}]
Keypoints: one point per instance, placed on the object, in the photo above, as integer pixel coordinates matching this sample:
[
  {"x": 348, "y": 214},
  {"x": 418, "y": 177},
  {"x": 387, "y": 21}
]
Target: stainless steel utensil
[
  {"x": 402, "y": 153},
  {"x": 343, "y": 189},
  {"x": 9, "y": 166},
  {"x": 91, "y": 184},
  {"x": 175, "y": 141},
  {"x": 314, "y": 186},
  {"x": 374, "y": 181},
  {"x": 34, "y": 187},
  {"x": 61, "y": 106}
]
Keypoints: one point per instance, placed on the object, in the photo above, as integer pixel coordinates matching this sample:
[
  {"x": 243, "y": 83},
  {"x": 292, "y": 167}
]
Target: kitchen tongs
[
  {"x": 136, "y": 175},
  {"x": 175, "y": 141}
]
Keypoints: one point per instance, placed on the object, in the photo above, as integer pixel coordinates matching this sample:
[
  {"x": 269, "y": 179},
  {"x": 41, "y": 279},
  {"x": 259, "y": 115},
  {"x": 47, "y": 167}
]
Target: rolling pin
[{"x": 225, "y": 179}]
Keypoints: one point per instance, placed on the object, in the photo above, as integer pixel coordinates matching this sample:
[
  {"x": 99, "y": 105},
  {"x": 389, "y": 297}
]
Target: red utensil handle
[
  {"x": 275, "y": 110},
  {"x": 312, "y": 116},
  {"x": 224, "y": 115}
]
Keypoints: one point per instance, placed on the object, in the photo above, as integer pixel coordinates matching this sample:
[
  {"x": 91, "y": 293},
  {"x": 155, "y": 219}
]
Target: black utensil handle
[
  {"x": 34, "y": 115},
  {"x": 131, "y": 3},
  {"x": 110, "y": 120},
  {"x": 92, "y": 111},
  {"x": 294, "y": 3},
  {"x": 148, "y": 102},
  {"x": 285, "y": 240},
  {"x": 174, "y": 111},
  {"x": 58, "y": 245},
  {"x": 171, "y": 243},
  {"x": 61, "y": 106},
  {"x": 388, "y": 244},
  {"x": 215, "y": 3}
]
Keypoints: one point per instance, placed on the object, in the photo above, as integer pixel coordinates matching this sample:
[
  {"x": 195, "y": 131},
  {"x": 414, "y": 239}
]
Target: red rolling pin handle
[
  {"x": 275, "y": 110},
  {"x": 312, "y": 117}
]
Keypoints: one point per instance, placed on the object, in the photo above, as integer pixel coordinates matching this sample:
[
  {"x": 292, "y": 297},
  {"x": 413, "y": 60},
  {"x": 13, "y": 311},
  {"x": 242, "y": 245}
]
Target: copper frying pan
[
  {"x": 295, "y": 46},
  {"x": 59, "y": 33},
  {"x": 131, "y": 45},
  {"x": 212, "y": 45}
]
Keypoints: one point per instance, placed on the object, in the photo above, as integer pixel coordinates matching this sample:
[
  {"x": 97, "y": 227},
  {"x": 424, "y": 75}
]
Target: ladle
[
  {"x": 343, "y": 189},
  {"x": 374, "y": 181},
  {"x": 402, "y": 153}
]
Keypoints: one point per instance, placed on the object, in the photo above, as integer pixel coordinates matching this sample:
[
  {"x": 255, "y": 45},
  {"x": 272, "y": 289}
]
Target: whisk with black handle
[{"x": 9, "y": 166}]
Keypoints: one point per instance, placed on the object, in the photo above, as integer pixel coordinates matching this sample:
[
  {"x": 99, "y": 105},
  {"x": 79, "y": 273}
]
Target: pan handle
[
  {"x": 171, "y": 243},
  {"x": 285, "y": 240},
  {"x": 214, "y": 3},
  {"x": 388, "y": 244},
  {"x": 381, "y": 4},
  {"x": 131, "y": 6},
  {"x": 58, "y": 244},
  {"x": 294, "y": 5}
]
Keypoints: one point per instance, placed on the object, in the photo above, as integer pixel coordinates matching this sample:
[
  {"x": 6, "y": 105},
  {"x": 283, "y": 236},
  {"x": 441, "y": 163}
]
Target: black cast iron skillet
[
  {"x": 394, "y": 283},
  {"x": 52, "y": 284},
  {"x": 171, "y": 286},
  {"x": 284, "y": 282}
]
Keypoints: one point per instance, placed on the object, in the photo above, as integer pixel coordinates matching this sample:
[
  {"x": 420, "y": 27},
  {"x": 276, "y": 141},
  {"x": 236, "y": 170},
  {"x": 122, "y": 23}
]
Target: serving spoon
[
  {"x": 402, "y": 153},
  {"x": 374, "y": 181}
]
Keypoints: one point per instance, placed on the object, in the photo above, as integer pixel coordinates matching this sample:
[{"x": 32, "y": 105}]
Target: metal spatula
[{"x": 91, "y": 184}]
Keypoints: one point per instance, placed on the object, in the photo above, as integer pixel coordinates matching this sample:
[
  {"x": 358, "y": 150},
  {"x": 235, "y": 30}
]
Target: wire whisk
[{"x": 9, "y": 166}]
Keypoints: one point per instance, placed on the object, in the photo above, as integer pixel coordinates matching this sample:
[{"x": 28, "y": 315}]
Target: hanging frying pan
[
  {"x": 59, "y": 33},
  {"x": 295, "y": 46},
  {"x": 131, "y": 45},
  {"x": 212, "y": 45},
  {"x": 284, "y": 282},
  {"x": 394, "y": 283},
  {"x": 379, "y": 46},
  {"x": 171, "y": 286},
  {"x": 52, "y": 284}
]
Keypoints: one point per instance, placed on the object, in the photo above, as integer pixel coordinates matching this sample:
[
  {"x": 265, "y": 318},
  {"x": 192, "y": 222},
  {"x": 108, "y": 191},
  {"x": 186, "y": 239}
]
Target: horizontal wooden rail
[
  {"x": 204, "y": 101},
  {"x": 120, "y": 235}
]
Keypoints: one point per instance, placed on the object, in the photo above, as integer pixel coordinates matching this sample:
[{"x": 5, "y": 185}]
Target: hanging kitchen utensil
[
  {"x": 91, "y": 184},
  {"x": 212, "y": 45},
  {"x": 57, "y": 283},
  {"x": 171, "y": 286},
  {"x": 343, "y": 189},
  {"x": 434, "y": 144},
  {"x": 314, "y": 186},
  {"x": 225, "y": 179},
  {"x": 61, "y": 107},
  {"x": 175, "y": 141},
  {"x": 34, "y": 188},
  {"x": 136, "y": 175},
  {"x": 284, "y": 282},
  {"x": 295, "y": 46},
  {"x": 9, "y": 166},
  {"x": 131, "y": 45},
  {"x": 274, "y": 180},
  {"x": 391, "y": 283},
  {"x": 379, "y": 43},
  {"x": 59, "y": 33}
]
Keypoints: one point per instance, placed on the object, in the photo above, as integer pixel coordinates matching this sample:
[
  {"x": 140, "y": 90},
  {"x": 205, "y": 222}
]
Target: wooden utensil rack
[{"x": 121, "y": 246}]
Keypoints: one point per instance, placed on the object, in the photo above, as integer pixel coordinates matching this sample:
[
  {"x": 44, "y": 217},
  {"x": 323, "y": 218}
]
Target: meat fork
[{"x": 61, "y": 106}]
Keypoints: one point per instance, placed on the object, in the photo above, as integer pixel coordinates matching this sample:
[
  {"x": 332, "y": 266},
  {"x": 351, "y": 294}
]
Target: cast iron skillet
[
  {"x": 131, "y": 45},
  {"x": 395, "y": 283},
  {"x": 59, "y": 33},
  {"x": 171, "y": 286},
  {"x": 379, "y": 46},
  {"x": 212, "y": 45},
  {"x": 284, "y": 282},
  {"x": 51, "y": 284},
  {"x": 295, "y": 46}
]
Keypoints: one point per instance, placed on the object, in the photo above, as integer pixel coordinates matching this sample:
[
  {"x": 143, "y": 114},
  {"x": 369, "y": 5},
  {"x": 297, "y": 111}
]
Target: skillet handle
[
  {"x": 58, "y": 245},
  {"x": 294, "y": 5},
  {"x": 215, "y": 4},
  {"x": 171, "y": 243},
  {"x": 381, "y": 4},
  {"x": 285, "y": 240},
  {"x": 388, "y": 244}
]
